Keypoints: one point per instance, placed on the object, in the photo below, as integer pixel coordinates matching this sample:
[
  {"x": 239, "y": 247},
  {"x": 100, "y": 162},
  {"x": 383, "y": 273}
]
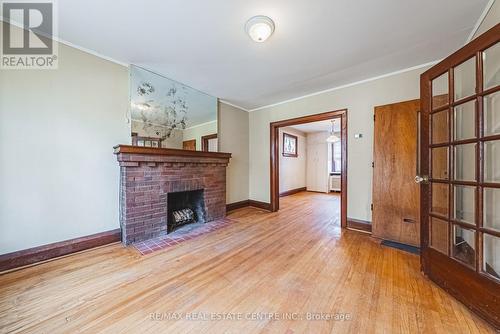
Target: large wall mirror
[{"x": 168, "y": 114}]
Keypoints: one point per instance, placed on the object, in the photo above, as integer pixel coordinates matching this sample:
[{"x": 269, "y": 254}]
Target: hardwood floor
[{"x": 295, "y": 261}]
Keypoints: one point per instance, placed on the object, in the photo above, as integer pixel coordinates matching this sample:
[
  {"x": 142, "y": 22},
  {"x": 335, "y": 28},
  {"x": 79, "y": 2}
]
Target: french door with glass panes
[{"x": 460, "y": 181}]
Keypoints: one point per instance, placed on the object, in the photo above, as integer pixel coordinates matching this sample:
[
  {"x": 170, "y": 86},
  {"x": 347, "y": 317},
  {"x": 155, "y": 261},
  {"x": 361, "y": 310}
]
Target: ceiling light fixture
[
  {"x": 259, "y": 28},
  {"x": 332, "y": 138},
  {"x": 141, "y": 106}
]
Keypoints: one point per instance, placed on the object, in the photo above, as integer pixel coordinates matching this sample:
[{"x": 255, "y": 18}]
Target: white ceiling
[
  {"x": 320, "y": 126},
  {"x": 317, "y": 44}
]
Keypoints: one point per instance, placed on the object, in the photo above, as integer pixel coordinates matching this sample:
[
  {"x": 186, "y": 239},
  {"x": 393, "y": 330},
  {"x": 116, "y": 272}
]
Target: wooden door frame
[
  {"x": 471, "y": 286},
  {"x": 204, "y": 141},
  {"x": 274, "y": 154}
]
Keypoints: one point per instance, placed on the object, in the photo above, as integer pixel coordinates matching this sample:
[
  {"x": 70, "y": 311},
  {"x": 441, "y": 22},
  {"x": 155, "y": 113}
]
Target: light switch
[{"x": 358, "y": 135}]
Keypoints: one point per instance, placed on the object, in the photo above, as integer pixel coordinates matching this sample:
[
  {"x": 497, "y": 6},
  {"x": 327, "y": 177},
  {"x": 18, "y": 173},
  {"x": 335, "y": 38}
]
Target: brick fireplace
[{"x": 149, "y": 175}]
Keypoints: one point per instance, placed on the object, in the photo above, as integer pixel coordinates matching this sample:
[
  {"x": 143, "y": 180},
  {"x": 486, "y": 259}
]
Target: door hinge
[
  {"x": 371, "y": 206},
  {"x": 374, "y": 117},
  {"x": 373, "y": 163}
]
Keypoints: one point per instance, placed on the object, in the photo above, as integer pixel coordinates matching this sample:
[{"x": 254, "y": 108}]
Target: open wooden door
[
  {"x": 396, "y": 207},
  {"x": 460, "y": 175}
]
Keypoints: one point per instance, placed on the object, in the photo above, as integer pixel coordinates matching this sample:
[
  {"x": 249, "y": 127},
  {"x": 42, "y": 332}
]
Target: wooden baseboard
[
  {"x": 361, "y": 225},
  {"x": 292, "y": 191},
  {"x": 260, "y": 205},
  {"x": 248, "y": 202},
  {"x": 42, "y": 253},
  {"x": 237, "y": 205}
]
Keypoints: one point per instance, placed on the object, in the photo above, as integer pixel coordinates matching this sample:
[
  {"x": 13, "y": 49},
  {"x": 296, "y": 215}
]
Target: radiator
[{"x": 335, "y": 183}]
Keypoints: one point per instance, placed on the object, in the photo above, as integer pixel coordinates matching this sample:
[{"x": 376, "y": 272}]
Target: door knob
[{"x": 422, "y": 179}]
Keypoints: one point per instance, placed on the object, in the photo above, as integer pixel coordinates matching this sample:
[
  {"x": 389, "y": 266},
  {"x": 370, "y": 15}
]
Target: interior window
[{"x": 336, "y": 157}]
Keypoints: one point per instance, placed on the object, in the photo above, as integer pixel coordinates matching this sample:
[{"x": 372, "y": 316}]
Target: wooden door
[
  {"x": 317, "y": 175},
  {"x": 460, "y": 158},
  {"x": 395, "y": 194},
  {"x": 189, "y": 145}
]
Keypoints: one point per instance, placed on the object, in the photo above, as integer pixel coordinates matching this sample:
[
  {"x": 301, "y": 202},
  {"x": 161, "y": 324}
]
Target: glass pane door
[
  {"x": 464, "y": 163},
  {"x": 489, "y": 229},
  {"x": 461, "y": 155}
]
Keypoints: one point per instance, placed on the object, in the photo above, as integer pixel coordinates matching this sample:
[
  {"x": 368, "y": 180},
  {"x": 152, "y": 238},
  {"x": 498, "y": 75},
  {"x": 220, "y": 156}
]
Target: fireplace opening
[{"x": 185, "y": 207}]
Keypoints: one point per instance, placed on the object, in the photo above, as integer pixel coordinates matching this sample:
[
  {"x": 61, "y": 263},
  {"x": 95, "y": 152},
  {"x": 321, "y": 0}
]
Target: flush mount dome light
[{"x": 259, "y": 28}]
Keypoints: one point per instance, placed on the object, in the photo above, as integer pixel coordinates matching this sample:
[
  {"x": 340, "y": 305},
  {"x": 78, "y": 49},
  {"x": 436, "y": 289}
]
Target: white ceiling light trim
[{"x": 259, "y": 28}]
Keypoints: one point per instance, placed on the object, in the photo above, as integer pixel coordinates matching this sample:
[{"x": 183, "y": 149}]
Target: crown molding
[
  {"x": 233, "y": 105},
  {"x": 348, "y": 85},
  {"x": 74, "y": 46},
  {"x": 201, "y": 124},
  {"x": 92, "y": 52},
  {"x": 480, "y": 20}
]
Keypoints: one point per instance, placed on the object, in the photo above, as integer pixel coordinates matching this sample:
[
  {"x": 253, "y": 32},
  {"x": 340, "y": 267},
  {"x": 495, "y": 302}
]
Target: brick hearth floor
[{"x": 180, "y": 235}]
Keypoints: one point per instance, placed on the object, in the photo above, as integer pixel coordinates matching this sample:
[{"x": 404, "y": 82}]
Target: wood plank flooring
[{"x": 276, "y": 267}]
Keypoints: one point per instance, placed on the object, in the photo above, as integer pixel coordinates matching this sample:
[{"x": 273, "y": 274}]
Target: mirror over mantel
[{"x": 168, "y": 114}]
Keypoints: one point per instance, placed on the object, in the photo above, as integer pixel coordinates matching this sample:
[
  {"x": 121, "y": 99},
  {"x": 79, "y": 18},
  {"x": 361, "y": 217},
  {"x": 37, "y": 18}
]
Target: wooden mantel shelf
[{"x": 129, "y": 149}]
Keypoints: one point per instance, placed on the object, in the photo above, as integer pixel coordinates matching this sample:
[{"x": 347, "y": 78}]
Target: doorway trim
[
  {"x": 204, "y": 141},
  {"x": 274, "y": 153}
]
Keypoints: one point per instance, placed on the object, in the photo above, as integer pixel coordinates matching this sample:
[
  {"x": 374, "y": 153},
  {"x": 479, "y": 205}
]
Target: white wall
[
  {"x": 58, "y": 176},
  {"x": 360, "y": 101},
  {"x": 233, "y": 138},
  {"x": 197, "y": 131},
  {"x": 292, "y": 169}
]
